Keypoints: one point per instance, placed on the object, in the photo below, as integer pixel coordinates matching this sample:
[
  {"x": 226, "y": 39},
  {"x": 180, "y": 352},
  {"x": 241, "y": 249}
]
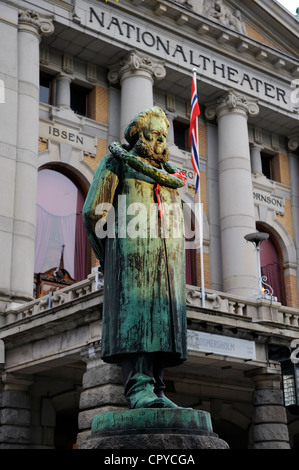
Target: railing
[
  {"x": 56, "y": 299},
  {"x": 260, "y": 310}
]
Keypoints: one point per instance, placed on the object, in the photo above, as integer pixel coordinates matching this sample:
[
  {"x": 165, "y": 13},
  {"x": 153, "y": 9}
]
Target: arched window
[
  {"x": 271, "y": 268},
  {"x": 60, "y": 235}
]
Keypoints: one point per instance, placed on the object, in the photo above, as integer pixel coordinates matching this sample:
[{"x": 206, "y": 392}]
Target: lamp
[
  {"x": 290, "y": 376},
  {"x": 256, "y": 239}
]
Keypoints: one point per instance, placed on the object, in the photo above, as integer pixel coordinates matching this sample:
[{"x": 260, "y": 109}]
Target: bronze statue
[{"x": 144, "y": 309}]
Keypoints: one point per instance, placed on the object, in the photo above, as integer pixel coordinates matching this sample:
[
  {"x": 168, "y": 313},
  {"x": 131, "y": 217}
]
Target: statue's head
[{"x": 147, "y": 133}]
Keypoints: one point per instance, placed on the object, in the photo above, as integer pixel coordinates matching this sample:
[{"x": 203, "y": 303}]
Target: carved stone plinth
[{"x": 153, "y": 428}]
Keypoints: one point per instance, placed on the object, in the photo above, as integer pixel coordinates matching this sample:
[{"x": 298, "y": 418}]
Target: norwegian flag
[{"x": 193, "y": 133}]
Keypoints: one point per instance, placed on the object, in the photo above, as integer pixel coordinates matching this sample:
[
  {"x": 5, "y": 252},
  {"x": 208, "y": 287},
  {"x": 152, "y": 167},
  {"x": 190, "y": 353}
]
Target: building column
[
  {"x": 170, "y": 137},
  {"x": 255, "y": 158},
  {"x": 102, "y": 391},
  {"x": 270, "y": 430},
  {"x": 63, "y": 90},
  {"x": 293, "y": 144},
  {"x": 15, "y": 412},
  {"x": 235, "y": 191},
  {"x": 135, "y": 73},
  {"x": 8, "y": 126},
  {"x": 31, "y": 27}
]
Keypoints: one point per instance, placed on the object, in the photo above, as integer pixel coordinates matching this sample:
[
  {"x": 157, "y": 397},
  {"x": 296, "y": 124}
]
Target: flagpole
[{"x": 199, "y": 214}]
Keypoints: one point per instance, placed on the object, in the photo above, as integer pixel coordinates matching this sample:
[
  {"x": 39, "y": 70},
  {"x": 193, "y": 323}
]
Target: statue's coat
[{"x": 144, "y": 308}]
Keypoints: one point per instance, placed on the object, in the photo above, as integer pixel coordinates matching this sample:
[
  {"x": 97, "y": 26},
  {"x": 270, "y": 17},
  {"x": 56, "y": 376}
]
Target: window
[
  {"x": 266, "y": 165},
  {"x": 181, "y": 135},
  {"x": 60, "y": 234},
  {"x": 79, "y": 99},
  {"x": 46, "y": 88}
]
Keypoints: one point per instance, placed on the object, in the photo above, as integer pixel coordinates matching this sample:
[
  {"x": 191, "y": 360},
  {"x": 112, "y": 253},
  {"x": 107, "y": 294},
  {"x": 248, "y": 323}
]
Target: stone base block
[{"x": 153, "y": 428}]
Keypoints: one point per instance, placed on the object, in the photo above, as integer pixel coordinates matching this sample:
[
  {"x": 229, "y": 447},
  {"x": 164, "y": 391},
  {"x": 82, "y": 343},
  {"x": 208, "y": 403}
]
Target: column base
[{"x": 153, "y": 428}]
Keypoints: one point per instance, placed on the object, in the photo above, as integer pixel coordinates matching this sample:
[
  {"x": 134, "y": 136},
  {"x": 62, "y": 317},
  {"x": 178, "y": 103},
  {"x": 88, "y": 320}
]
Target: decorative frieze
[{"x": 225, "y": 16}]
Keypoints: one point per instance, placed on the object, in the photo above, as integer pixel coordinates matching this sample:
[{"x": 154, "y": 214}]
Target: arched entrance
[{"x": 271, "y": 265}]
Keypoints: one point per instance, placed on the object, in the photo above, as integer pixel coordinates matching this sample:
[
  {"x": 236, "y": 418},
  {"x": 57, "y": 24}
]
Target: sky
[{"x": 290, "y": 5}]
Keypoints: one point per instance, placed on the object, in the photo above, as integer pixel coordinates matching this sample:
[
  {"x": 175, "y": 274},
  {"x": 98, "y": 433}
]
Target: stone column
[
  {"x": 136, "y": 73},
  {"x": 170, "y": 137},
  {"x": 31, "y": 26},
  {"x": 235, "y": 191},
  {"x": 114, "y": 99},
  {"x": 255, "y": 157},
  {"x": 8, "y": 119},
  {"x": 293, "y": 144},
  {"x": 269, "y": 421},
  {"x": 63, "y": 90},
  {"x": 15, "y": 412},
  {"x": 102, "y": 391}
]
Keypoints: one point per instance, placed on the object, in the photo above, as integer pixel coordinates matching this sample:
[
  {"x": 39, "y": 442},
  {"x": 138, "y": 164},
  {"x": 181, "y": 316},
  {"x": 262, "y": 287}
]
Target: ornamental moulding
[
  {"x": 32, "y": 21},
  {"x": 136, "y": 64},
  {"x": 232, "y": 102},
  {"x": 293, "y": 142}
]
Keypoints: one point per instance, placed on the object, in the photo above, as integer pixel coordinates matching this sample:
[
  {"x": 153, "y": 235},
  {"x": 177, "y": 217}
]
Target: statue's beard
[{"x": 145, "y": 150}]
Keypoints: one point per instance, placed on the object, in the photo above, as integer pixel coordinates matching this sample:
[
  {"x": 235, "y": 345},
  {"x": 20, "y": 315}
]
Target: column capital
[
  {"x": 63, "y": 76},
  {"x": 232, "y": 102},
  {"x": 254, "y": 146},
  {"x": 293, "y": 142},
  {"x": 35, "y": 23},
  {"x": 136, "y": 64}
]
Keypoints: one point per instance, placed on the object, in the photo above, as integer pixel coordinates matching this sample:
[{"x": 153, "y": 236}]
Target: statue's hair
[{"x": 138, "y": 123}]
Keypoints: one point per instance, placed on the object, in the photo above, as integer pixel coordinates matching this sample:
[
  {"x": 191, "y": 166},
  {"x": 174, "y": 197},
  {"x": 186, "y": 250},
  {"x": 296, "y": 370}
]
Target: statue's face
[{"x": 156, "y": 132}]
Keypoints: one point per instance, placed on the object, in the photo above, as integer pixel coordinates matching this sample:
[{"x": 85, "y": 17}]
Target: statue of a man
[{"x": 144, "y": 308}]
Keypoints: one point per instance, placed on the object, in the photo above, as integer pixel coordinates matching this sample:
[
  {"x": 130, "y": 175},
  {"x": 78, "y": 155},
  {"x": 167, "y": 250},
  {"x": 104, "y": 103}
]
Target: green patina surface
[
  {"x": 181, "y": 420},
  {"x": 144, "y": 307}
]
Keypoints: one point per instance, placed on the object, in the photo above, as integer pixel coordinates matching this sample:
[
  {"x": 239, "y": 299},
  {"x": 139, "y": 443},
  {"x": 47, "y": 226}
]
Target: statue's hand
[
  {"x": 118, "y": 150},
  {"x": 168, "y": 177}
]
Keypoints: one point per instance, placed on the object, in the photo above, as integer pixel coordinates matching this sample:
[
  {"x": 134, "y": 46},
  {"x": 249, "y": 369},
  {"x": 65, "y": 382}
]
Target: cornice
[
  {"x": 214, "y": 36},
  {"x": 187, "y": 24}
]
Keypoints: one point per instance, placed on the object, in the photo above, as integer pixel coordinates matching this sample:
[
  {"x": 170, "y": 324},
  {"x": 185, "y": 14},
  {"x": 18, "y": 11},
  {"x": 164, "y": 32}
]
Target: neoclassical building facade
[{"x": 73, "y": 73}]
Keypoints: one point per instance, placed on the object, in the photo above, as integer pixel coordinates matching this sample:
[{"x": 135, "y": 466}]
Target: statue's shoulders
[{"x": 108, "y": 162}]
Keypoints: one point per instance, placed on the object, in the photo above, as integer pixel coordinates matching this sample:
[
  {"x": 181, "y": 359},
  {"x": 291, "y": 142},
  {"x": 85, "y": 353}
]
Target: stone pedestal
[
  {"x": 102, "y": 391},
  {"x": 153, "y": 428},
  {"x": 270, "y": 429},
  {"x": 15, "y": 412}
]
